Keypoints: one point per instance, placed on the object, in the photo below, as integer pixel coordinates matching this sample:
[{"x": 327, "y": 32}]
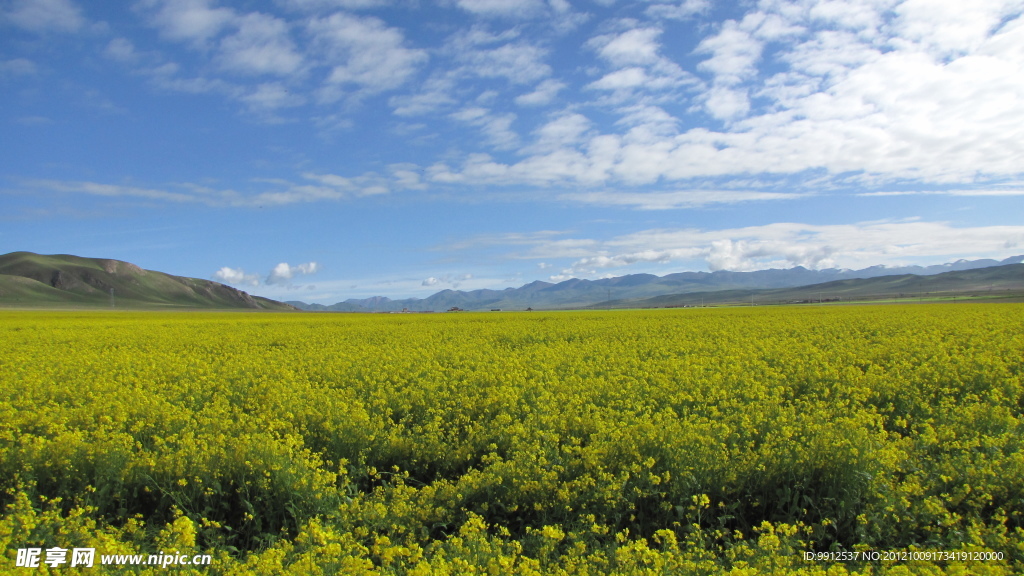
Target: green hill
[
  {"x": 995, "y": 282},
  {"x": 62, "y": 280}
]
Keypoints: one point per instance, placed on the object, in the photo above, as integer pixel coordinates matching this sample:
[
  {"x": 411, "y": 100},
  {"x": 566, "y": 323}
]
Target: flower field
[{"x": 796, "y": 440}]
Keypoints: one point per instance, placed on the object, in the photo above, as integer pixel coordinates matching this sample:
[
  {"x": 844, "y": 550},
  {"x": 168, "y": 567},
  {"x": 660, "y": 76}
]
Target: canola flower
[{"x": 742, "y": 441}]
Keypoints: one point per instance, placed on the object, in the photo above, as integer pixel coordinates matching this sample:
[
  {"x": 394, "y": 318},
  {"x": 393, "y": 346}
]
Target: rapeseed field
[{"x": 816, "y": 440}]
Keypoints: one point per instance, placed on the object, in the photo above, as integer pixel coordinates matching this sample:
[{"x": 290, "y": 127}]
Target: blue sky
[{"x": 319, "y": 150}]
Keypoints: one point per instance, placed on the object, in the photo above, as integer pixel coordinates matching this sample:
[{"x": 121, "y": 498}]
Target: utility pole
[{"x": 111, "y": 297}]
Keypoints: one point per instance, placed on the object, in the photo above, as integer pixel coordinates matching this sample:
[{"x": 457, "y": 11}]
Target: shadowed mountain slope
[
  {"x": 1001, "y": 282},
  {"x": 580, "y": 293},
  {"x": 38, "y": 280}
]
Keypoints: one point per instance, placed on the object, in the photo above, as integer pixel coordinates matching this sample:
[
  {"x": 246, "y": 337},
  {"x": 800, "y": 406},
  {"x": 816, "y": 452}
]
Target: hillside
[
  {"x": 579, "y": 293},
  {"x": 37, "y": 280},
  {"x": 1006, "y": 281}
]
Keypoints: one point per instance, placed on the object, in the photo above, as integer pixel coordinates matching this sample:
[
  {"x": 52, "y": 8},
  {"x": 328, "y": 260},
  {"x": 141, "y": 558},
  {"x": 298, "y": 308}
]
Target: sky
[{"x": 320, "y": 150}]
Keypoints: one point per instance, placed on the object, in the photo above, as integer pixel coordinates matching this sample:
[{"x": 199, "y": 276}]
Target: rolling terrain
[
  {"x": 632, "y": 290},
  {"x": 29, "y": 280},
  {"x": 40, "y": 281},
  {"x": 1003, "y": 283}
]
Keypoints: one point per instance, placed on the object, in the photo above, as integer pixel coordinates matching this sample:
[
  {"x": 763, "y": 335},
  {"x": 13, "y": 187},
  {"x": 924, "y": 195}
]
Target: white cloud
[
  {"x": 566, "y": 130},
  {"x": 122, "y": 50},
  {"x": 17, "y": 67},
  {"x": 746, "y": 255},
  {"x": 477, "y": 36},
  {"x": 623, "y": 79},
  {"x": 970, "y": 193},
  {"x": 542, "y": 95},
  {"x": 453, "y": 281},
  {"x": 189, "y": 20},
  {"x": 271, "y": 96},
  {"x": 402, "y": 286},
  {"x": 827, "y": 55},
  {"x": 635, "y": 47},
  {"x": 113, "y": 190},
  {"x": 726, "y": 103},
  {"x": 591, "y": 264},
  {"x": 363, "y": 52},
  {"x": 328, "y": 188},
  {"x": 45, "y": 15},
  {"x": 249, "y": 44},
  {"x": 518, "y": 62},
  {"x": 167, "y": 76},
  {"x": 502, "y": 8},
  {"x": 638, "y": 66},
  {"x": 773, "y": 27},
  {"x": 283, "y": 273},
  {"x": 407, "y": 176},
  {"x": 863, "y": 17},
  {"x": 331, "y": 180},
  {"x": 236, "y": 276},
  {"x": 497, "y": 128},
  {"x": 881, "y": 102},
  {"x": 683, "y": 10},
  {"x": 538, "y": 238},
  {"x": 783, "y": 245},
  {"x": 647, "y": 122},
  {"x": 774, "y": 245},
  {"x": 261, "y": 46},
  {"x": 734, "y": 55},
  {"x": 434, "y": 93},
  {"x": 293, "y": 194},
  {"x": 677, "y": 199},
  {"x": 947, "y": 29},
  {"x": 331, "y": 5},
  {"x": 479, "y": 53},
  {"x": 368, "y": 184}
]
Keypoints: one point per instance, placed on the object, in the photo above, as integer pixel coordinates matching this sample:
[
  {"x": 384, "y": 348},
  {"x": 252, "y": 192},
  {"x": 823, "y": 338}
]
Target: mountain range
[
  {"x": 62, "y": 280},
  {"x": 633, "y": 289},
  {"x": 39, "y": 281},
  {"x": 1003, "y": 282}
]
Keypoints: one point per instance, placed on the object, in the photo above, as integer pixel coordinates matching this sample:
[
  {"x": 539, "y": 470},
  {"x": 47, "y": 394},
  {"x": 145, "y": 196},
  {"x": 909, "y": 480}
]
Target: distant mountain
[
  {"x": 37, "y": 280},
  {"x": 578, "y": 293},
  {"x": 1001, "y": 281}
]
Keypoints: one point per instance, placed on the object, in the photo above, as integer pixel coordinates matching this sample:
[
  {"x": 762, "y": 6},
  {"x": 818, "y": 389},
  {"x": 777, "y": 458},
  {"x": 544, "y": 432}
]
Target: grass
[{"x": 30, "y": 280}]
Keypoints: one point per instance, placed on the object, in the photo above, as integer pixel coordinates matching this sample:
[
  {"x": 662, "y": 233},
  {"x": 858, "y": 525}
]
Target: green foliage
[{"x": 645, "y": 442}]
